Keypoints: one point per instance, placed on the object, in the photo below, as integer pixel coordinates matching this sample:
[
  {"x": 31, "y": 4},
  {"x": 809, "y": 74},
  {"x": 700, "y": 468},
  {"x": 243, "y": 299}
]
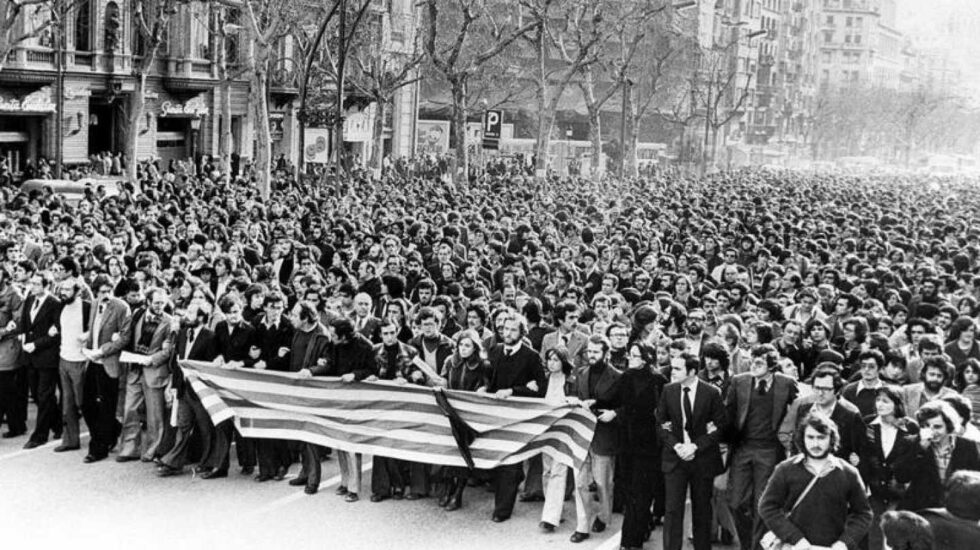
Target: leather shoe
[
  {"x": 499, "y": 519},
  {"x": 598, "y": 526},
  {"x": 311, "y": 489},
  {"x": 214, "y": 474},
  {"x": 248, "y": 470},
  {"x": 201, "y": 470},
  {"x": 122, "y": 458},
  {"x": 378, "y": 498},
  {"x": 167, "y": 471},
  {"x": 341, "y": 491},
  {"x": 351, "y": 497},
  {"x": 93, "y": 458},
  {"x": 413, "y": 496},
  {"x": 11, "y": 434},
  {"x": 578, "y": 536},
  {"x": 531, "y": 497},
  {"x": 31, "y": 444},
  {"x": 63, "y": 448},
  {"x": 263, "y": 477},
  {"x": 280, "y": 474},
  {"x": 546, "y": 527},
  {"x": 297, "y": 481}
]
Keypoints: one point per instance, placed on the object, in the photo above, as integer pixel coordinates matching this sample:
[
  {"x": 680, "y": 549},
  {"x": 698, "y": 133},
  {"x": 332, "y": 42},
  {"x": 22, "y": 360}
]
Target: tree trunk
[
  {"x": 258, "y": 99},
  {"x": 460, "y": 164},
  {"x": 595, "y": 136},
  {"x": 629, "y": 147},
  {"x": 224, "y": 132},
  {"x": 377, "y": 155},
  {"x": 137, "y": 104},
  {"x": 542, "y": 145}
]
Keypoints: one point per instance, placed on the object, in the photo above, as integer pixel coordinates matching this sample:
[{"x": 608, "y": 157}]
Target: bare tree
[
  {"x": 719, "y": 92},
  {"x": 461, "y": 36},
  {"x": 21, "y": 20},
  {"x": 151, "y": 20}
]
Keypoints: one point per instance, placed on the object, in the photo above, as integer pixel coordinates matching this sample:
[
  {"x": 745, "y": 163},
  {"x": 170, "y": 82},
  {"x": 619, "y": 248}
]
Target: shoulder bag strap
[{"x": 805, "y": 492}]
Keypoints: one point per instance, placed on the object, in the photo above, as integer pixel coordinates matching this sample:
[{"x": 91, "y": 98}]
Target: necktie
[
  {"x": 36, "y": 306},
  {"x": 688, "y": 412},
  {"x": 190, "y": 342},
  {"x": 762, "y": 387}
]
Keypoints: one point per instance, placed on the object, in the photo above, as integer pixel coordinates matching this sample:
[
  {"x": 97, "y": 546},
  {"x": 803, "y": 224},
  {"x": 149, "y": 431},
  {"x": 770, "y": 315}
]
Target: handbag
[{"x": 769, "y": 540}]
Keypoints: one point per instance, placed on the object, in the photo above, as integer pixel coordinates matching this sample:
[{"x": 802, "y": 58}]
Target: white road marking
[
  {"x": 299, "y": 494},
  {"x": 54, "y": 443}
]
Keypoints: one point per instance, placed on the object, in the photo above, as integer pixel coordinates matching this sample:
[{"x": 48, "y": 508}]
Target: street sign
[{"x": 493, "y": 122}]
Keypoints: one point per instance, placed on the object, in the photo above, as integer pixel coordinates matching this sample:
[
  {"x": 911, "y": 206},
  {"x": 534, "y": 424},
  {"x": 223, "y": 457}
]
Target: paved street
[{"x": 52, "y": 500}]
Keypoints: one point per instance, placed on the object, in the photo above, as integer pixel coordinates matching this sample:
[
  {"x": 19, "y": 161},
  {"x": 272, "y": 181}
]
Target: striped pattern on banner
[{"x": 388, "y": 419}]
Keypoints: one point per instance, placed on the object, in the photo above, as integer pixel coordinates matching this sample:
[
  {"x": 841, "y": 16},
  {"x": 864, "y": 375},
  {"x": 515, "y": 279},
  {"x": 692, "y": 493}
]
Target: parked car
[{"x": 73, "y": 191}]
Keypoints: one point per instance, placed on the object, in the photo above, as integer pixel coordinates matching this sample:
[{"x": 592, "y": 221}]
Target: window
[
  {"x": 847, "y": 39},
  {"x": 83, "y": 27},
  {"x": 113, "y": 28},
  {"x": 827, "y": 57},
  {"x": 830, "y": 19},
  {"x": 857, "y": 38},
  {"x": 849, "y": 22},
  {"x": 828, "y": 36}
]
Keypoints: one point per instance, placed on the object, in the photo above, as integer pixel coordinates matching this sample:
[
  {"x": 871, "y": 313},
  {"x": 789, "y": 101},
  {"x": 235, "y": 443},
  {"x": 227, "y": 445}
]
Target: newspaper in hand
[{"x": 135, "y": 358}]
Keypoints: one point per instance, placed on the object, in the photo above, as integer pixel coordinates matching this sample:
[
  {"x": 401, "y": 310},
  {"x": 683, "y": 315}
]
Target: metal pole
[
  {"x": 707, "y": 122},
  {"x": 60, "y": 95},
  {"x": 622, "y": 131},
  {"x": 341, "y": 58}
]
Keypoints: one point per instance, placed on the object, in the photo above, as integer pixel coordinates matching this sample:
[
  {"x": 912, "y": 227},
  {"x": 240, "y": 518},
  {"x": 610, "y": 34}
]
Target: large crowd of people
[{"x": 797, "y": 352}]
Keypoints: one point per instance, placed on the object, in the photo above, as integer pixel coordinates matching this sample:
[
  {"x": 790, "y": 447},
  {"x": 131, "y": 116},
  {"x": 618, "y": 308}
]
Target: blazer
[
  {"x": 708, "y": 407},
  {"x": 236, "y": 345},
  {"x": 850, "y": 426},
  {"x": 921, "y": 472},
  {"x": 784, "y": 391},
  {"x": 878, "y": 469},
  {"x": 10, "y": 303},
  {"x": 912, "y": 396},
  {"x": 371, "y": 329},
  {"x": 42, "y": 331},
  {"x": 204, "y": 348},
  {"x": 640, "y": 392},
  {"x": 114, "y": 334},
  {"x": 157, "y": 372},
  {"x": 575, "y": 347},
  {"x": 605, "y": 442}
]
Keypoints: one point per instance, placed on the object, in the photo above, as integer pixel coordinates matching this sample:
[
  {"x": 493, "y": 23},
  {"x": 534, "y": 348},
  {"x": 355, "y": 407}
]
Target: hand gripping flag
[{"x": 408, "y": 422}]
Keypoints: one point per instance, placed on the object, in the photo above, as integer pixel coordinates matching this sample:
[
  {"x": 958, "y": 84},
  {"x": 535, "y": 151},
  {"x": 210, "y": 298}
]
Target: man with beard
[
  {"x": 515, "y": 369},
  {"x": 153, "y": 339},
  {"x": 194, "y": 342},
  {"x": 815, "y": 498},
  {"x": 110, "y": 334},
  {"x": 935, "y": 375},
  {"x": 695, "y": 335},
  {"x": 73, "y": 324},
  {"x": 598, "y": 388}
]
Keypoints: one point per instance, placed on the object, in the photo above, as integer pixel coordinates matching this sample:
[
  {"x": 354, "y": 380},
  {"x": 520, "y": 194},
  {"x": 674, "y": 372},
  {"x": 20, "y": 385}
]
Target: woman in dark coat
[
  {"x": 891, "y": 438},
  {"x": 639, "y": 395},
  {"x": 467, "y": 369}
]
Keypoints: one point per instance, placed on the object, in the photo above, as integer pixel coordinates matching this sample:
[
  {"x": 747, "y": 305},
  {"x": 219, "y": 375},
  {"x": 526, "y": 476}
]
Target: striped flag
[{"x": 388, "y": 419}]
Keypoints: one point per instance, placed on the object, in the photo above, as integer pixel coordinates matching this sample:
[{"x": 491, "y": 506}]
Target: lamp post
[
  {"x": 195, "y": 133},
  {"x": 59, "y": 122}
]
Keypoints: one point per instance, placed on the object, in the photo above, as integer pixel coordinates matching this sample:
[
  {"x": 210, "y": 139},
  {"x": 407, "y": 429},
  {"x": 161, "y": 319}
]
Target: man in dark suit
[
  {"x": 110, "y": 333},
  {"x": 234, "y": 338},
  {"x": 515, "y": 369},
  {"x": 365, "y": 324},
  {"x": 758, "y": 402},
  {"x": 827, "y": 383},
  {"x": 690, "y": 419},
  {"x": 152, "y": 338},
  {"x": 598, "y": 388},
  {"x": 193, "y": 342},
  {"x": 38, "y": 327}
]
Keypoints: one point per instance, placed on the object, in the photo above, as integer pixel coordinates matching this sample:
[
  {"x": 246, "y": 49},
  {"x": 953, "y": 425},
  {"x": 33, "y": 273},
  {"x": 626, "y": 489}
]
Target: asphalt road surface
[{"x": 54, "y": 500}]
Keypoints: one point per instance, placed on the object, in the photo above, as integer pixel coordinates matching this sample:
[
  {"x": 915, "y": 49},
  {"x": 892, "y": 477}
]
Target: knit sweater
[{"x": 836, "y": 508}]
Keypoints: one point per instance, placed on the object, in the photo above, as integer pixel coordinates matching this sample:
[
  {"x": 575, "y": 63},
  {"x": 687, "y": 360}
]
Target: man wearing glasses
[{"x": 827, "y": 384}]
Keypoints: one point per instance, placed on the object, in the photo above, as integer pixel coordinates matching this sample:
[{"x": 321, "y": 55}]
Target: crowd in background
[{"x": 713, "y": 324}]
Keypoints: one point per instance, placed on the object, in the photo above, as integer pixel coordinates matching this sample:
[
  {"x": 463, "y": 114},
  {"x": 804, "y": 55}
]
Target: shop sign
[
  {"x": 357, "y": 127},
  {"x": 37, "y": 102},
  {"x": 194, "y": 107}
]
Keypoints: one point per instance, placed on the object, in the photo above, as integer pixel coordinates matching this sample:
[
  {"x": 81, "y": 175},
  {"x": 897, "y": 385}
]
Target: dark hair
[
  {"x": 832, "y": 372},
  {"x": 935, "y": 409},
  {"x": 892, "y": 394},
  {"x": 769, "y": 353},
  {"x": 963, "y": 495},
  {"x": 905, "y": 530},
  {"x": 343, "y": 327},
  {"x": 938, "y": 363},
  {"x": 566, "y": 365},
  {"x": 691, "y": 362},
  {"x": 307, "y": 313},
  {"x": 562, "y": 310},
  {"x": 961, "y": 404},
  {"x": 426, "y": 313},
  {"x": 873, "y": 354},
  {"x": 715, "y": 350},
  {"x": 960, "y": 381},
  {"x": 823, "y": 425},
  {"x": 601, "y": 340},
  {"x": 959, "y": 326}
]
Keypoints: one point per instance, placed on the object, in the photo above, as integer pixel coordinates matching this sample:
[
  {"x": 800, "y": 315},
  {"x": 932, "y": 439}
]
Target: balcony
[{"x": 187, "y": 77}]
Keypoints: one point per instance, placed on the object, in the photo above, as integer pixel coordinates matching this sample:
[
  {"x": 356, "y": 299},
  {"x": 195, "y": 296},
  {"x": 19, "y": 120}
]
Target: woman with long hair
[
  {"x": 968, "y": 384},
  {"x": 397, "y": 310},
  {"x": 467, "y": 369},
  {"x": 560, "y": 385}
]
